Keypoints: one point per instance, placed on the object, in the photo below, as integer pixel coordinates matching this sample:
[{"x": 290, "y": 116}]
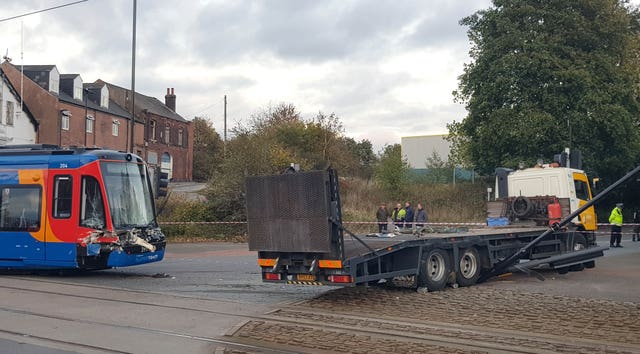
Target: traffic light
[{"x": 163, "y": 184}]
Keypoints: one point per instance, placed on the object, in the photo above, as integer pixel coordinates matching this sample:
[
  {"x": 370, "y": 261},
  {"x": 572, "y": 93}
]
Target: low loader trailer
[{"x": 295, "y": 224}]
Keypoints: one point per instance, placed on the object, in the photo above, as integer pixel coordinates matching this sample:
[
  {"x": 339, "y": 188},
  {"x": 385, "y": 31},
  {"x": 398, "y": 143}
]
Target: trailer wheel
[
  {"x": 590, "y": 264},
  {"x": 435, "y": 268},
  {"x": 469, "y": 267},
  {"x": 579, "y": 243}
]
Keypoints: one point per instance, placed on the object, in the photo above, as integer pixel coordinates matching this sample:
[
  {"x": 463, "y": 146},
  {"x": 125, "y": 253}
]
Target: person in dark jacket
[
  {"x": 636, "y": 227},
  {"x": 382, "y": 215},
  {"x": 421, "y": 216},
  {"x": 408, "y": 218}
]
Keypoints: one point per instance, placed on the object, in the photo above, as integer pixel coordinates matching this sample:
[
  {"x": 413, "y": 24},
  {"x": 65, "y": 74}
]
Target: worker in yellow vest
[{"x": 615, "y": 219}]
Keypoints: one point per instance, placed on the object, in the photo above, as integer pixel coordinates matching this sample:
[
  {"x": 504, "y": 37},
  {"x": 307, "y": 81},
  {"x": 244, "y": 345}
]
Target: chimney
[{"x": 170, "y": 99}]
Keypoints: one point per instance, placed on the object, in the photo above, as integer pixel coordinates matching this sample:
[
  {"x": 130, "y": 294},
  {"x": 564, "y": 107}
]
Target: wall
[
  {"x": 42, "y": 104},
  {"x": 418, "y": 148},
  {"x": 22, "y": 131}
]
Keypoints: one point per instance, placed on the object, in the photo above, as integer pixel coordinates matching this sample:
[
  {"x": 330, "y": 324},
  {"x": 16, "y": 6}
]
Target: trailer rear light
[
  {"x": 266, "y": 262},
  {"x": 329, "y": 263},
  {"x": 339, "y": 278},
  {"x": 272, "y": 276}
]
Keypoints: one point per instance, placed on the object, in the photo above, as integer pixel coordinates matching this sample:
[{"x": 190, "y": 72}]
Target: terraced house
[{"x": 68, "y": 112}]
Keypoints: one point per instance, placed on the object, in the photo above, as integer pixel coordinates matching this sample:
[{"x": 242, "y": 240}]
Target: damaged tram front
[{"x": 75, "y": 208}]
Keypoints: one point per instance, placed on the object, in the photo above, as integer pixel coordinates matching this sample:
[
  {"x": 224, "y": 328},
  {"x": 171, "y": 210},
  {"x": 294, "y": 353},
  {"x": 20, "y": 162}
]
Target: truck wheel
[
  {"x": 590, "y": 264},
  {"x": 469, "y": 267},
  {"x": 435, "y": 268},
  {"x": 579, "y": 243}
]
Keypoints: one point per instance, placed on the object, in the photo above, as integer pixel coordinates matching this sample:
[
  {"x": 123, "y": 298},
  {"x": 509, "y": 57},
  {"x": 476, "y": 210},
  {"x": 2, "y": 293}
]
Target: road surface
[{"x": 208, "y": 298}]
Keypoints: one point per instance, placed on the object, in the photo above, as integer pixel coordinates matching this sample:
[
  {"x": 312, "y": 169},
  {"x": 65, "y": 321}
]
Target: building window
[
  {"x": 180, "y": 137},
  {"x": 152, "y": 133},
  {"x": 115, "y": 127},
  {"x": 167, "y": 134},
  {"x": 10, "y": 111},
  {"x": 20, "y": 208},
  {"x": 65, "y": 122},
  {"x": 104, "y": 99},
  {"x": 77, "y": 92},
  {"x": 90, "y": 121},
  {"x": 62, "y": 197}
]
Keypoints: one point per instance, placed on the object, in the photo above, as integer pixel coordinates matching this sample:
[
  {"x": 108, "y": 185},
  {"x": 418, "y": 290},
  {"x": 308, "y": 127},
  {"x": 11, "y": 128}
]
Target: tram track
[{"x": 350, "y": 319}]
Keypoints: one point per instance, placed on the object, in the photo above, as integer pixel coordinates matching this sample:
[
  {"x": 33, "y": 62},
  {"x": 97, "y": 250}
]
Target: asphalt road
[{"x": 201, "y": 291}]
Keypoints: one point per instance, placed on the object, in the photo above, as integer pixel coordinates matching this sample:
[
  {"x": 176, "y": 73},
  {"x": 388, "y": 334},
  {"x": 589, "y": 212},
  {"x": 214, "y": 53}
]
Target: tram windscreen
[{"x": 128, "y": 193}]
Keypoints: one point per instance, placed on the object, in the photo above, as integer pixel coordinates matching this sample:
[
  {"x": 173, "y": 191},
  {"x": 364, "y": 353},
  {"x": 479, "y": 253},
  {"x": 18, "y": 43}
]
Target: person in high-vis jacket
[{"x": 615, "y": 219}]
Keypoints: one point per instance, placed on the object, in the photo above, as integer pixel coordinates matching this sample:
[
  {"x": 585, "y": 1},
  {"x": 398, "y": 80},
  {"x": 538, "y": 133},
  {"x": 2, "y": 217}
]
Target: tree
[
  {"x": 393, "y": 170},
  {"x": 549, "y": 74},
  {"x": 363, "y": 150},
  {"x": 272, "y": 139},
  {"x": 438, "y": 170},
  {"x": 207, "y": 149}
]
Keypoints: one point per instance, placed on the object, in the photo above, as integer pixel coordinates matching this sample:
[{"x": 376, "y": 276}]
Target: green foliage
[
  {"x": 272, "y": 140},
  {"x": 207, "y": 149},
  {"x": 393, "y": 170},
  {"x": 438, "y": 170},
  {"x": 551, "y": 74}
]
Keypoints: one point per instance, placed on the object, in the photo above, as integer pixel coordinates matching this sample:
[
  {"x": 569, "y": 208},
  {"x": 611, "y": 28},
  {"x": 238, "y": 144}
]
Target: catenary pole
[{"x": 133, "y": 76}]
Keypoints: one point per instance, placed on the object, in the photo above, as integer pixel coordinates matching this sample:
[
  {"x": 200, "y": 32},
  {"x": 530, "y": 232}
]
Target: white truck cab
[{"x": 553, "y": 181}]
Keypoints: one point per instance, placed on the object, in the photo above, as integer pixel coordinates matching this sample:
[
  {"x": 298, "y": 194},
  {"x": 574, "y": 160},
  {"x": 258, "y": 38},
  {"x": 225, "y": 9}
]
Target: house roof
[
  {"x": 68, "y": 76},
  {"x": 149, "y": 104},
  {"x": 34, "y": 67},
  {"x": 13, "y": 90},
  {"x": 113, "y": 108}
]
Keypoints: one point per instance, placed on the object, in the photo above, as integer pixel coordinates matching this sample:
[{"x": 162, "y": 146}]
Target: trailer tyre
[
  {"x": 435, "y": 268},
  {"x": 469, "y": 267}
]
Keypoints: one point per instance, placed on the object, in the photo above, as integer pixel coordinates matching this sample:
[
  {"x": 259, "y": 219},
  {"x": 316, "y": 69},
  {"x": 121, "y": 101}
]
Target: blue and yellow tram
[{"x": 75, "y": 208}]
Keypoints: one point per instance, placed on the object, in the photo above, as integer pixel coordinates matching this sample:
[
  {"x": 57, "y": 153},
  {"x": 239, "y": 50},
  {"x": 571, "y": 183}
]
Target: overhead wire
[{"x": 43, "y": 10}]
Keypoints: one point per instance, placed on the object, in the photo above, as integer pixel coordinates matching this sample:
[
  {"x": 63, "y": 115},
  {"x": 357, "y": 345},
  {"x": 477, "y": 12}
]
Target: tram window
[
  {"x": 20, "y": 208},
  {"x": 62, "y": 196},
  {"x": 92, "y": 207}
]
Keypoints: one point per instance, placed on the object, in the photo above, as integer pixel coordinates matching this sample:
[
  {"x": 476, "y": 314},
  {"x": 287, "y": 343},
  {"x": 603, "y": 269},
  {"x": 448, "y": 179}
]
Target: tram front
[{"x": 128, "y": 231}]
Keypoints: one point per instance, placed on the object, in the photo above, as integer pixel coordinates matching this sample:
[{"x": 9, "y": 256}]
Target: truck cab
[{"x": 570, "y": 186}]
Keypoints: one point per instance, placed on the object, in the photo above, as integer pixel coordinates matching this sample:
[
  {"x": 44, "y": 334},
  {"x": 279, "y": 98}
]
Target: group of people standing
[{"x": 402, "y": 217}]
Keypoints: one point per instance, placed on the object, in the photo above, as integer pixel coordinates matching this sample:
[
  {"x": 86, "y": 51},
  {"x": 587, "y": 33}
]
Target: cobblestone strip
[
  {"x": 309, "y": 339},
  {"x": 478, "y": 337},
  {"x": 485, "y": 307}
]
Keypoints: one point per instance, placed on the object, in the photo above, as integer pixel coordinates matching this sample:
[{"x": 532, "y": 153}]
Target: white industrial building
[{"x": 418, "y": 148}]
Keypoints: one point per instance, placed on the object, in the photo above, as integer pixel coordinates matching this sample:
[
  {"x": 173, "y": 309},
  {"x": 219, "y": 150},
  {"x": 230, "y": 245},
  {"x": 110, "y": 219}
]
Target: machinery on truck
[
  {"x": 75, "y": 209},
  {"x": 295, "y": 224}
]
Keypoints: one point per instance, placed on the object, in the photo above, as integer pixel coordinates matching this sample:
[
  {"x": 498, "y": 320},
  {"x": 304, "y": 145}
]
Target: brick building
[
  {"x": 69, "y": 112},
  {"x": 168, "y": 138}
]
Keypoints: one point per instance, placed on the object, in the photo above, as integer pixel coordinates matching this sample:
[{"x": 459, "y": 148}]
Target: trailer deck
[{"x": 295, "y": 224}]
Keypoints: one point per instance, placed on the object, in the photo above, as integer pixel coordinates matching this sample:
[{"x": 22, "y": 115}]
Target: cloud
[{"x": 386, "y": 68}]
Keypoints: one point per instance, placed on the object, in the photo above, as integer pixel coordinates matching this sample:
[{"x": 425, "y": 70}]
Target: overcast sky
[{"x": 386, "y": 68}]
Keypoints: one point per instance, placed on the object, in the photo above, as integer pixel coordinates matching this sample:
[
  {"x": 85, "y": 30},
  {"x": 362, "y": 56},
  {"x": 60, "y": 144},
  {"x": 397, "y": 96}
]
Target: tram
[{"x": 75, "y": 209}]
